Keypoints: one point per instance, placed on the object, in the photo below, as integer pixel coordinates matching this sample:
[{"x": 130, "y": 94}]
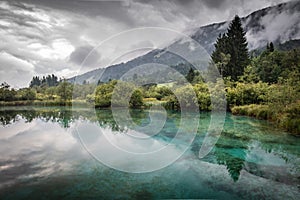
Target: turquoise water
[{"x": 43, "y": 156}]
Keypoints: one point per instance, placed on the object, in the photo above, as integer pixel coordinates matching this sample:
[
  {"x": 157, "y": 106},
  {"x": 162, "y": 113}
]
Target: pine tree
[
  {"x": 190, "y": 76},
  {"x": 217, "y": 55},
  {"x": 233, "y": 44},
  {"x": 271, "y": 47},
  {"x": 237, "y": 48},
  {"x": 35, "y": 81}
]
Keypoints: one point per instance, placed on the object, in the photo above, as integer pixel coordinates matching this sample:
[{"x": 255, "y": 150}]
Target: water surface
[{"x": 42, "y": 156}]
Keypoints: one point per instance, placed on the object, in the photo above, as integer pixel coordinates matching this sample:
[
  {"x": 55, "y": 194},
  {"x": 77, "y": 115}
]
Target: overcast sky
[{"x": 40, "y": 37}]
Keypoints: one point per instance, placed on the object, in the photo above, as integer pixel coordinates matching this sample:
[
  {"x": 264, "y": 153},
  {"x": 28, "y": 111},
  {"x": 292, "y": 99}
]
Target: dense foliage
[{"x": 118, "y": 93}]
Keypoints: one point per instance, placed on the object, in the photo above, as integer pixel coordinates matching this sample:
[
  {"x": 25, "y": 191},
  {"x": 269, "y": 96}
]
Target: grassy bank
[
  {"x": 287, "y": 117},
  {"x": 44, "y": 103}
]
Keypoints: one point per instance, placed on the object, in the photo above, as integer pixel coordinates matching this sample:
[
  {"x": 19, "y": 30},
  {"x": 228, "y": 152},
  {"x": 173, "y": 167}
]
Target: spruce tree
[
  {"x": 272, "y": 47},
  {"x": 220, "y": 47},
  {"x": 234, "y": 44},
  {"x": 190, "y": 76}
]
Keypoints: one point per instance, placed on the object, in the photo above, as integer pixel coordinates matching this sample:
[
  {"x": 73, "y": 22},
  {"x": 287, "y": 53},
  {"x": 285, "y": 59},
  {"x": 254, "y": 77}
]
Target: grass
[
  {"x": 169, "y": 85},
  {"x": 287, "y": 117},
  {"x": 44, "y": 103},
  {"x": 253, "y": 110},
  {"x": 152, "y": 102}
]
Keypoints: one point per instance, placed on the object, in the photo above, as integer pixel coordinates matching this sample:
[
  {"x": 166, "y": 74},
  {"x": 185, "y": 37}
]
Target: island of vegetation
[{"x": 264, "y": 84}]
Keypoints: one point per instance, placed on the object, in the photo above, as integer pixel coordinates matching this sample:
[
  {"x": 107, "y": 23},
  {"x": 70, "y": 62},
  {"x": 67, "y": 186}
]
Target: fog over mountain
[{"x": 277, "y": 24}]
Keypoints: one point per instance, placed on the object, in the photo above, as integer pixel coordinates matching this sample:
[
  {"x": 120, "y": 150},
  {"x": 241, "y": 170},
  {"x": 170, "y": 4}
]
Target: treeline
[
  {"x": 10, "y": 94},
  {"x": 50, "y": 80},
  {"x": 62, "y": 94}
]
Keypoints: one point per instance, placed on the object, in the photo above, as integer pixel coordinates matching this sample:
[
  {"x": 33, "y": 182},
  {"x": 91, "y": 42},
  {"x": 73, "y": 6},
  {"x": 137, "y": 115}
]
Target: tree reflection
[
  {"x": 8, "y": 117},
  {"x": 65, "y": 116},
  {"x": 232, "y": 153},
  {"x": 105, "y": 119},
  {"x": 62, "y": 116}
]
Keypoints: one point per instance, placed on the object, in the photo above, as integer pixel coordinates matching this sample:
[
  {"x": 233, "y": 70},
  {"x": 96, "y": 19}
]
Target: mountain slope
[{"x": 278, "y": 24}]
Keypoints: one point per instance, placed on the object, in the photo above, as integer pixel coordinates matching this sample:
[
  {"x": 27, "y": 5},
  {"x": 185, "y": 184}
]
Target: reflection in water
[
  {"x": 41, "y": 154},
  {"x": 61, "y": 115},
  {"x": 233, "y": 156},
  {"x": 64, "y": 116}
]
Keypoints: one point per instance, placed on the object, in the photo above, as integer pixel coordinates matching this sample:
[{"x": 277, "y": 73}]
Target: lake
[{"x": 57, "y": 152}]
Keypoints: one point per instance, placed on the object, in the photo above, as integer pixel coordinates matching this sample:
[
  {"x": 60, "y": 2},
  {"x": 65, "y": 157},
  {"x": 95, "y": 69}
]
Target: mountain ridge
[{"x": 258, "y": 26}]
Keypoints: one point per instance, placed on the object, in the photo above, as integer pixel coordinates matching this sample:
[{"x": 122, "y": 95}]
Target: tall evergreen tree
[
  {"x": 190, "y": 76},
  {"x": 234, "y": 44},
  {"x": 220, "y": 50},
  {"x": 237, "y": 48},
  {"x": 272, "y": 47}
]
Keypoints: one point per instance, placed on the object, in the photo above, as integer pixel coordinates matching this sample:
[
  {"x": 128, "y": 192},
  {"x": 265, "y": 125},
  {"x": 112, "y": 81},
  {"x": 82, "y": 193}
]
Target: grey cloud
[
  {"x": 180, "y": 2},
  {"x": 213, "y": 3},
  {"x": 116, "y": 10},
  {"x": 12, "y": 68},
  {"x": 187, "y": 2},
  {"x": 86, "y": 54},
  {"x": 22, "y": 25},
  {"x": 22, "y": 6},
  {"x": 143, "y": 44},
  {"x": 19, "y": 19}
]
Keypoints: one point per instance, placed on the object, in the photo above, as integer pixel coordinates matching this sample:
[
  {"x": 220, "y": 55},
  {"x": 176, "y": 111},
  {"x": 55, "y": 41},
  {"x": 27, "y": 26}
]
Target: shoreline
[{"x": 260, "y": 112}]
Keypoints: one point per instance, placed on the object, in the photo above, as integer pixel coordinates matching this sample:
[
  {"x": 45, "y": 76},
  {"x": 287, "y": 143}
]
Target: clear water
[{"x": 42, "y": 158}]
